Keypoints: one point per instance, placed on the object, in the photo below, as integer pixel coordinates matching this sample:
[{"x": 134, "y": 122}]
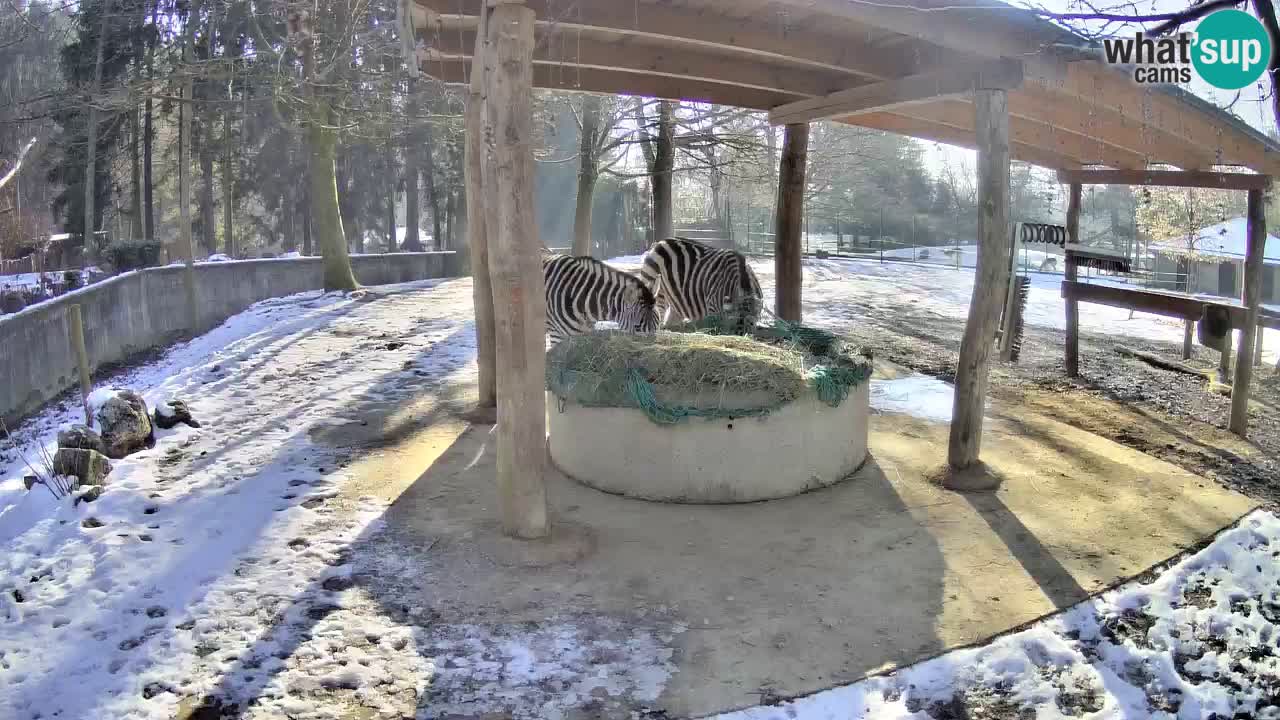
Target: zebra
[
  {"x": 695, "y": 280},
  {"x": 582, "y": 291}
]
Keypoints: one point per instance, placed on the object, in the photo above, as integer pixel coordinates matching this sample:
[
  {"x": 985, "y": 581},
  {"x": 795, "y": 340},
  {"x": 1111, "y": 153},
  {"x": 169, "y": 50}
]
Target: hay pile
[{"x": 676, "y": 375}]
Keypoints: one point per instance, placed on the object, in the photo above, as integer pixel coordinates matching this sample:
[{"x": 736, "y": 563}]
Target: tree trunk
[
  {"x": 208, "y": 222},
  {"x": 787, "y": 257},
  {"x": 412, "y": 239},
  {"x": 228, "y": 183},
  {"x": 91, "y": 146},
  {"x": 135, "y": 175},
  {"x": 391, "y": 196},
  {"x": 477, "y": 232},
  {"x": 326, "y": 220},
  {"x": 429, "y": 178},
  {"x": 587, "y": 173},
  {"x": 148, "y": 143},
  {"x": 186, "y": 243},
  {"x": 517, "y": 278},
  {"x": 663, "y": 167},
  {"x": 992, "y": 124},
  {"x": 1251, "y": 297}
]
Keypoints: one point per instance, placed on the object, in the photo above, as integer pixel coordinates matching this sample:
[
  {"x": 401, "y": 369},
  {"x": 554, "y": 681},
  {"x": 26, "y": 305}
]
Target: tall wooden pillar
[
  {"x": 1251, "y": 297},
  {"x": 477, "y": 238},
  {"x": 787, "y": 255},
  {"x": 516, "y": 273},
  {"x": 990, "y": 275},
  {"x": 1073, "y": 306}
]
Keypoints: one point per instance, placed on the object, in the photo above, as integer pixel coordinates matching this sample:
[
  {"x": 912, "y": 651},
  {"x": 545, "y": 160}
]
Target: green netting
[{"x": 704, "y": 370}]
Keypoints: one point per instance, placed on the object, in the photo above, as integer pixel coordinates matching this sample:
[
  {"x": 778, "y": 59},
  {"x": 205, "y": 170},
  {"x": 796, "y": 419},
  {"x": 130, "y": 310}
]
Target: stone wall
[{"x": 136, "y": 311}]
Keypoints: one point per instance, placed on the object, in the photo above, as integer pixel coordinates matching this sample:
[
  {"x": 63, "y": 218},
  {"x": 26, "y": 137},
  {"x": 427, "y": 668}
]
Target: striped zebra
[
  {"x": 582, "y": 291},
  {"x": 693, "y": 280}
]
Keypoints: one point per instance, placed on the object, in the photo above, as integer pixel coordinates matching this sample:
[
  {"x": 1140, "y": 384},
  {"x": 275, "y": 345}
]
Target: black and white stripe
[
  {"x": 582, "y": 291},
  {"x": 693, "y": 280}
]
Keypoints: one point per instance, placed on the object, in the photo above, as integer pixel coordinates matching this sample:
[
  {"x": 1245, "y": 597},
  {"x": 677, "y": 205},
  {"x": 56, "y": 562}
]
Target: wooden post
[
  {"x": 1188, "y": 333},
  {"x": 1224, "y": 359},
  {"x": 992, "y": 124},
  {"x": 787, "y": 257},
  {"x": 1257, "y": 355},
  {"x": 477, "y": 238},
  {"x": 1251, "y": 297},
  {"x": 516, "y": 275},
  {"x": 1073, "y": 307},
  {"x": 75, "y": 330}
]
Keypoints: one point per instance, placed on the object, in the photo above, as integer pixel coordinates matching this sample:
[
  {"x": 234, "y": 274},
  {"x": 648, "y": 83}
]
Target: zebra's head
[{"x": 638, "y": 313}]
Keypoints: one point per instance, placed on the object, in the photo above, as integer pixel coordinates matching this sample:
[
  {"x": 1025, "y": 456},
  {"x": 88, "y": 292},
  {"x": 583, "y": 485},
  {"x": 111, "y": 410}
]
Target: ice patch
[{"x": 921, "y": 396}]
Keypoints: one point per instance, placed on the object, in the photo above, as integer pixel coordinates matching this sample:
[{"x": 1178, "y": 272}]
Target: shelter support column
[
  {"x": 990, "y": 275},
  {"x": 516, "y": 274},
  {"x": 1251, "y": 297},
  {"x": 1072, "y": 359},
  {"x": 477, "y": 240},
  {"x": 787, "y": 255}
]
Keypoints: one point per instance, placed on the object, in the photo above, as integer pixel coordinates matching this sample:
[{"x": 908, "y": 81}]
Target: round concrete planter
[{"x": 803, "y": 445}]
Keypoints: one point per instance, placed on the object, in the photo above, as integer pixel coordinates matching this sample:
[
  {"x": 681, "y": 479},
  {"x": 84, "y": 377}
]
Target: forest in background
[{"x": 268, "y": 88}]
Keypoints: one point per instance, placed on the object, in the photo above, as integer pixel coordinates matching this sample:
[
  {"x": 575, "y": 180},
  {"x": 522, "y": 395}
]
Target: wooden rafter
[
  {"x": 634, "y": 55},
  {"x": 1168, "y": 178},
  {"x": 925, "y": 87},
  {"x": 960, "y": 137}
]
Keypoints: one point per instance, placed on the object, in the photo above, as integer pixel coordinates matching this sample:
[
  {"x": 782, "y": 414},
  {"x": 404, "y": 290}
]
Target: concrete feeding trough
[{"x": 718, "y": 442}]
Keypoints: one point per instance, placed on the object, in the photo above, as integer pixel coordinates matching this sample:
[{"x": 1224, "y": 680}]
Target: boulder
[
  {"x": 89, "y": 467},
  {"x": 81, "y": 437},
  {"x": 125, "y": 424},
  {"x": 168, "y": 414},
  {"x": 11, "y": 301}
]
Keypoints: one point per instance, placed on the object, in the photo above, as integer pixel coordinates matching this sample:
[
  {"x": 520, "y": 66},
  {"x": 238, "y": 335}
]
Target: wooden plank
[
  {"x": 561, "y": 49},
  {"x": 1072, "y": 359},
  {"x": 992, "y": 121},
  {"x": 788, "y": 270},
  {"x": 516, "y": 271},
  {"x": 1168, "y": 178},
  {"x": 940, "y": 132},
  {"x": 1251, "y": 298},
  {"x": 477, "y": 239},
  {"x": 941, "y": 83},
  {"x": 702, "y": 28}
]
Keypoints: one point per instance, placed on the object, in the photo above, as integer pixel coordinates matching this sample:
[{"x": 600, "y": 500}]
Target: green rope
[{"x": 640, "y": 392}]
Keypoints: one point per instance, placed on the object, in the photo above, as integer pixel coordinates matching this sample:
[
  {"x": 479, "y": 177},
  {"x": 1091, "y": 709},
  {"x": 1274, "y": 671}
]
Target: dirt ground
[{"x": 1168, "y": 415}]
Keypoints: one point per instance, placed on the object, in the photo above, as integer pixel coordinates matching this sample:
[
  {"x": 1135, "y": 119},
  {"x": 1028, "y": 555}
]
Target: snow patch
[{"x": 921, "y": 396}]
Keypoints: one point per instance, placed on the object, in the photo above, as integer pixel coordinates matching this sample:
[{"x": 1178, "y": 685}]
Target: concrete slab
[{"x": 790, "y": 596}]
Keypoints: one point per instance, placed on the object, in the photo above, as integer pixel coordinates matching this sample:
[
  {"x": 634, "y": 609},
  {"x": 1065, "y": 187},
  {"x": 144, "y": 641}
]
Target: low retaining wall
[{"x": 139, "y": 310}]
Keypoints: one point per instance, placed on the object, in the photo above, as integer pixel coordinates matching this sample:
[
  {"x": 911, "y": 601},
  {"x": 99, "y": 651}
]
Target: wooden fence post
[
  {"x": 477, "y": 237},
  {"x": 992, "y": 124},
  {"x": 1073, "y": 306},
  {"x": 1251, "y": 296},
  {"x": 516, "y": 275},
  {"x": 787, "y": 256}
]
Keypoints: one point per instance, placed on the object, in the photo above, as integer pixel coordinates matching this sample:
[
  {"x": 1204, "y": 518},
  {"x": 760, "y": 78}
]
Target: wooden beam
[
  {"x": 927, "y": 130},
  {"x": 1169, "y": 178},
  {"x": 787, "y": 256},
  {"x": 1030, "y": 133},
  {"x": 942, "y": 83},
  {"x": 518, "y": 295},
  {"x": 701, "y": 27},
  {"x": 992, "y": 121},
  {"x": 616, "y": 82},
  {"x": 1072, "y": 359},
  {"x": 1251, "y": 298},
  {"x": 477, "y": 239},
  {"x": 631, "y": 54}
]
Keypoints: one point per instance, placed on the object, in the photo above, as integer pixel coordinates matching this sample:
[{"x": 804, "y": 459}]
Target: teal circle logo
[{"x": 1232, "y": 49}]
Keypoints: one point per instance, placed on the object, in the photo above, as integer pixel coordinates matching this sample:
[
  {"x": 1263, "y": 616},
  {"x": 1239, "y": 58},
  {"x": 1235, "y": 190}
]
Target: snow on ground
[
  {"x": 1200, "y": 641},
  {"x": 921, "y": 396},
  {"x": 219, "y": 558}
]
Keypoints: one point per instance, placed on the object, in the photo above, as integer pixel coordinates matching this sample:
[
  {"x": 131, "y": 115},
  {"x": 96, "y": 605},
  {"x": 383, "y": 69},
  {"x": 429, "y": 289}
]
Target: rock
[
  {"x": 125, "y": 424},
  {"x": 30, "y": 481},
  {"x": 89, "y": 467},
  {"x": 11, "y": 301},
  {"x": 168, "y": 414},
  {"x": 81, "y": 437}
]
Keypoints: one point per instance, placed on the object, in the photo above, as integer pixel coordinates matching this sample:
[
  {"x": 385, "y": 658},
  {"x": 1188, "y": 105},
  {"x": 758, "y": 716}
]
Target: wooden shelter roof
[{"x": 905, "y": 67}]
